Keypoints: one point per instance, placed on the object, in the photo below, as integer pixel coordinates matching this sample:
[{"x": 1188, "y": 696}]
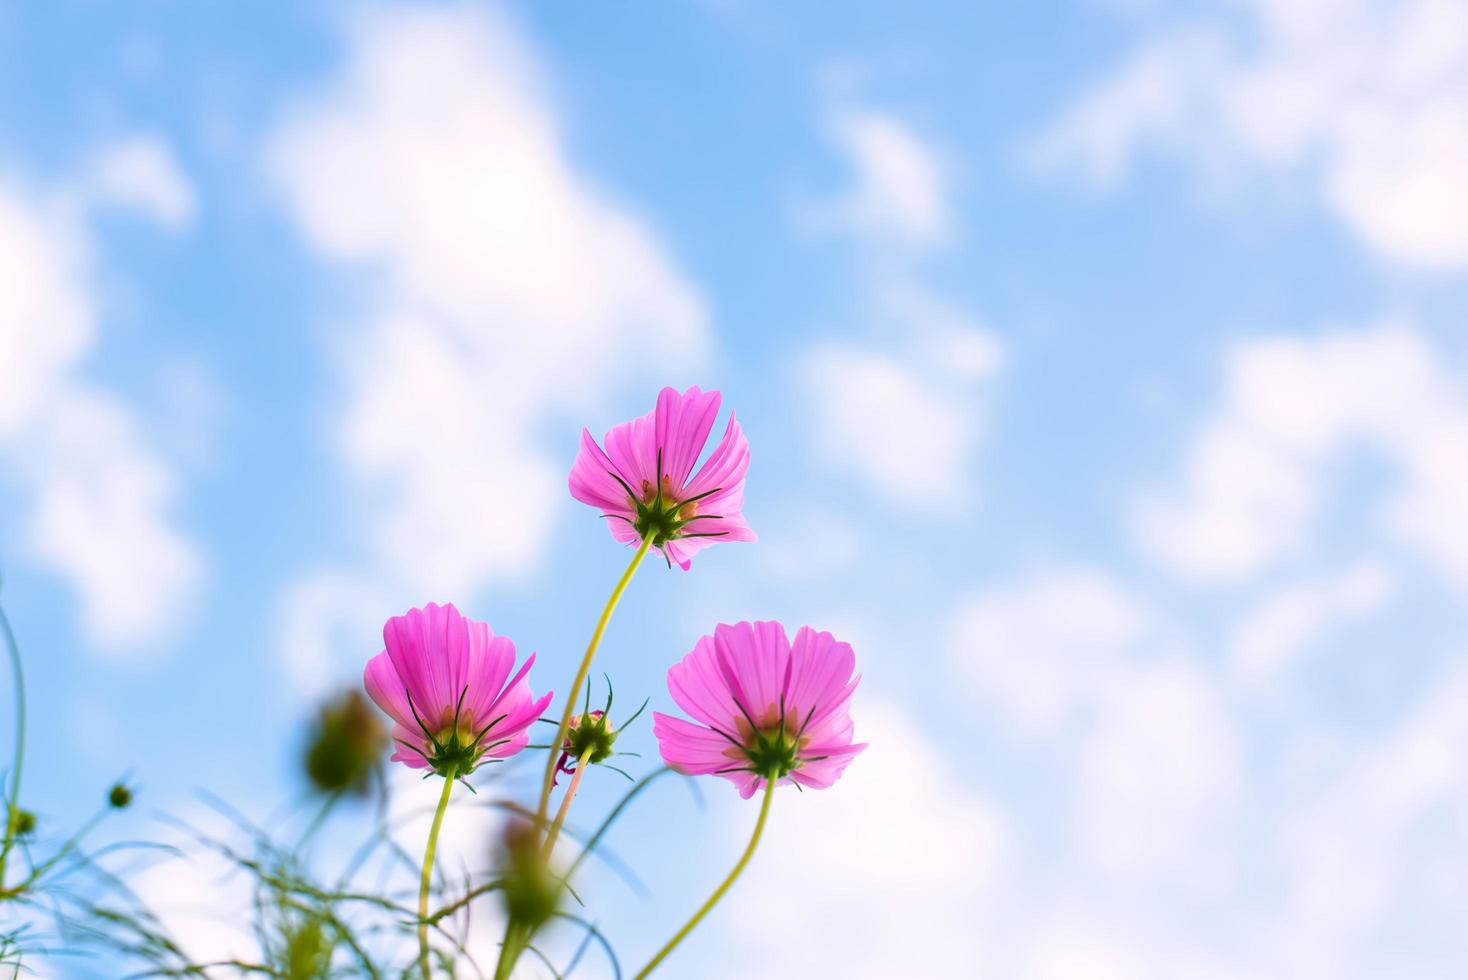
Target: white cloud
[
  {"x": 812, "y": 544},
  {"x": 1291, "y": 407},
  {"x": 1036, "y": 651},
  {"x": 1073, "y": 662},
  {"x": 905, "y": 416},
  {"x": 100, "y": 495},
  {"x": 905, "y": 413},
  {"x": 101, "y": 504},
  {"x": 1368, "y": 97},
  {"x": 886, "y": 874},
  {"x": 1282, "y": 627},
  {"x": 876, "y": 417},
  {"x": 507, "y": 291},
  {"x": 1367, "y": 844},
  {"x": 899, "y": 192},
  {"x": 1161, "y": 779},
  {"x": 140, "y": 172},
  {"x": 46, "y": 319},
  {"x": 1082, "y": 950},
  {"x": 319, "y": 609}
]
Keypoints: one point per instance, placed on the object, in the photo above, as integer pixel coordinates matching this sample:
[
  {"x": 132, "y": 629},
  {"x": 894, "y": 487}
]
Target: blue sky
[{"x": 1102, "y": 365}]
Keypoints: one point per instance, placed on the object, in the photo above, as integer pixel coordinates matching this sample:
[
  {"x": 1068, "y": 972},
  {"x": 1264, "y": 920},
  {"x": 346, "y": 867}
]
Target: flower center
[
  {"x": 456, "y": 743},
  {"x": 773, "y": 747}
]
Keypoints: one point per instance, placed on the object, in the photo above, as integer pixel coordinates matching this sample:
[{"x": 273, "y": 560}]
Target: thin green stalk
[
  {"x": 581, "y": 672},
  {"x": 514, "y": 943},
  {"x": 14, "y": 799},
  {"x": 40, "y": 870},
  {"x": 681, "y": 934},
  {"x": 428, "y": 852},
  {"x": 509, "y": 952},
  {"x": 555, "y": 830}
]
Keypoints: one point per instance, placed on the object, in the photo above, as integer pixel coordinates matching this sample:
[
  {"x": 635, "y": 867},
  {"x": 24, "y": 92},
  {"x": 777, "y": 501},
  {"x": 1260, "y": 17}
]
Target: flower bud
[
  {"x": 590, "y": 731},
  {"x": 22, "y": 823},
  {"x": 120, "y": 796},
  {"x": 531, "y": 890},
  {"x": 308, "y": 949},
  {"x": 345, "y": 745}
]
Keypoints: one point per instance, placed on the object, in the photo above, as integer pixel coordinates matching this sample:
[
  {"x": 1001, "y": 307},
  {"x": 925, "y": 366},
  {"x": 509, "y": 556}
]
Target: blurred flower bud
[
  {"x": 308, "y": 950},
  {"x": 531, "y": 890},
  {"x": 346, "y": 744},
  {"x": 119, "y": 797},
  {"x": 22, "y": 822}
]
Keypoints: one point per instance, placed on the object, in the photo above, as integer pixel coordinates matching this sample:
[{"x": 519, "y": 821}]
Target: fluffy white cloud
[
  {"x": 100, "y": 495},
  {"x": 1161, "y": 779},
  {"x": 1036, "y": 651},
  {"x": 507, "y": 291},
  {"x": 101, "y": 505},
  {"x": 902, "y": 412},
  {"x": 1283, "y": 626},
  {"x": 47, "y": 322},
  {"x": 888, "y": 874},
  {"x": 880, "y": 419},
  {"x": 1367, "y": 846},
  {"x": 898, "y": 193},
  {"x": 1291, "y": 407},
  {"x": 1072, "y": 657},
  {"x": 322, "y": 610},
  {"x": 140, "y": 172},
  {"x": 1370, "y": 97}
]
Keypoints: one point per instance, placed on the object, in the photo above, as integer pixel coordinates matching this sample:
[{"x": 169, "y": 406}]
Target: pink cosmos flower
[
  {"x": 644, "y": 481},
  {"x": 445, "y": 681},
  {"x": 769, "y": 709}
]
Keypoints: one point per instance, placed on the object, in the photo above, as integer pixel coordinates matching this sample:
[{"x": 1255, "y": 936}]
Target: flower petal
[
  {"x": 754, "y": 660},
  {"x": 692, "y": 749},
  {"x": 820, "y": 675},
  {"x": 683, "y": 426},
  {"x": 697, "y": 685},
  {"x": 595, "y": 480}
]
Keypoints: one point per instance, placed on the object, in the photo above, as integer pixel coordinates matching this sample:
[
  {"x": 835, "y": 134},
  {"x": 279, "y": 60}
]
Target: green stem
[
  {"x": 513, "y": 942},
  {"x": 581, "y": 672},
  {"x": 682, "y": 934},
  {"x": 14, "y": 799},
  {"x": 428, "y": 852},
  {"x": 555, "y": 830},
  {"x": 509, "y": 952}
]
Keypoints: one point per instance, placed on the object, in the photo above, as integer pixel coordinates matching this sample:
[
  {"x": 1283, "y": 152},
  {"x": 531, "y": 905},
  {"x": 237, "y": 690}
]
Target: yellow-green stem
[
  {"x": 13, "y": 800},
  {"x": 555, "y": 830},
  {"x": 509, "y": 952},
  {"x": 703, "y": 910},
  {"x": 513, "y": 943},
  {"x": 581, "y": 672},
  {"x": 428, "y": 852}
]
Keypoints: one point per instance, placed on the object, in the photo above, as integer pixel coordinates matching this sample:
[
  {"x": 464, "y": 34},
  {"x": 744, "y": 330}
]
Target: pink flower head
[
  {"x": 644, "y": 482},
  {"x": 443, "y": 680},
  {"x": 769, "y": 709}
]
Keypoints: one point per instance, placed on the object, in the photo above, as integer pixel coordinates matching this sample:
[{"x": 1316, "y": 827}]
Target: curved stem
[
  {"x": 509, "y": 952},
  {"x": 13, "y": 800},
  {"x": 682, "y": 934},
  {"x": 581, "y": 672},
  {"x": 555, "y": 830},
  {"x": 428, "y": 852},
  {"x": 514, "y": 942}
]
